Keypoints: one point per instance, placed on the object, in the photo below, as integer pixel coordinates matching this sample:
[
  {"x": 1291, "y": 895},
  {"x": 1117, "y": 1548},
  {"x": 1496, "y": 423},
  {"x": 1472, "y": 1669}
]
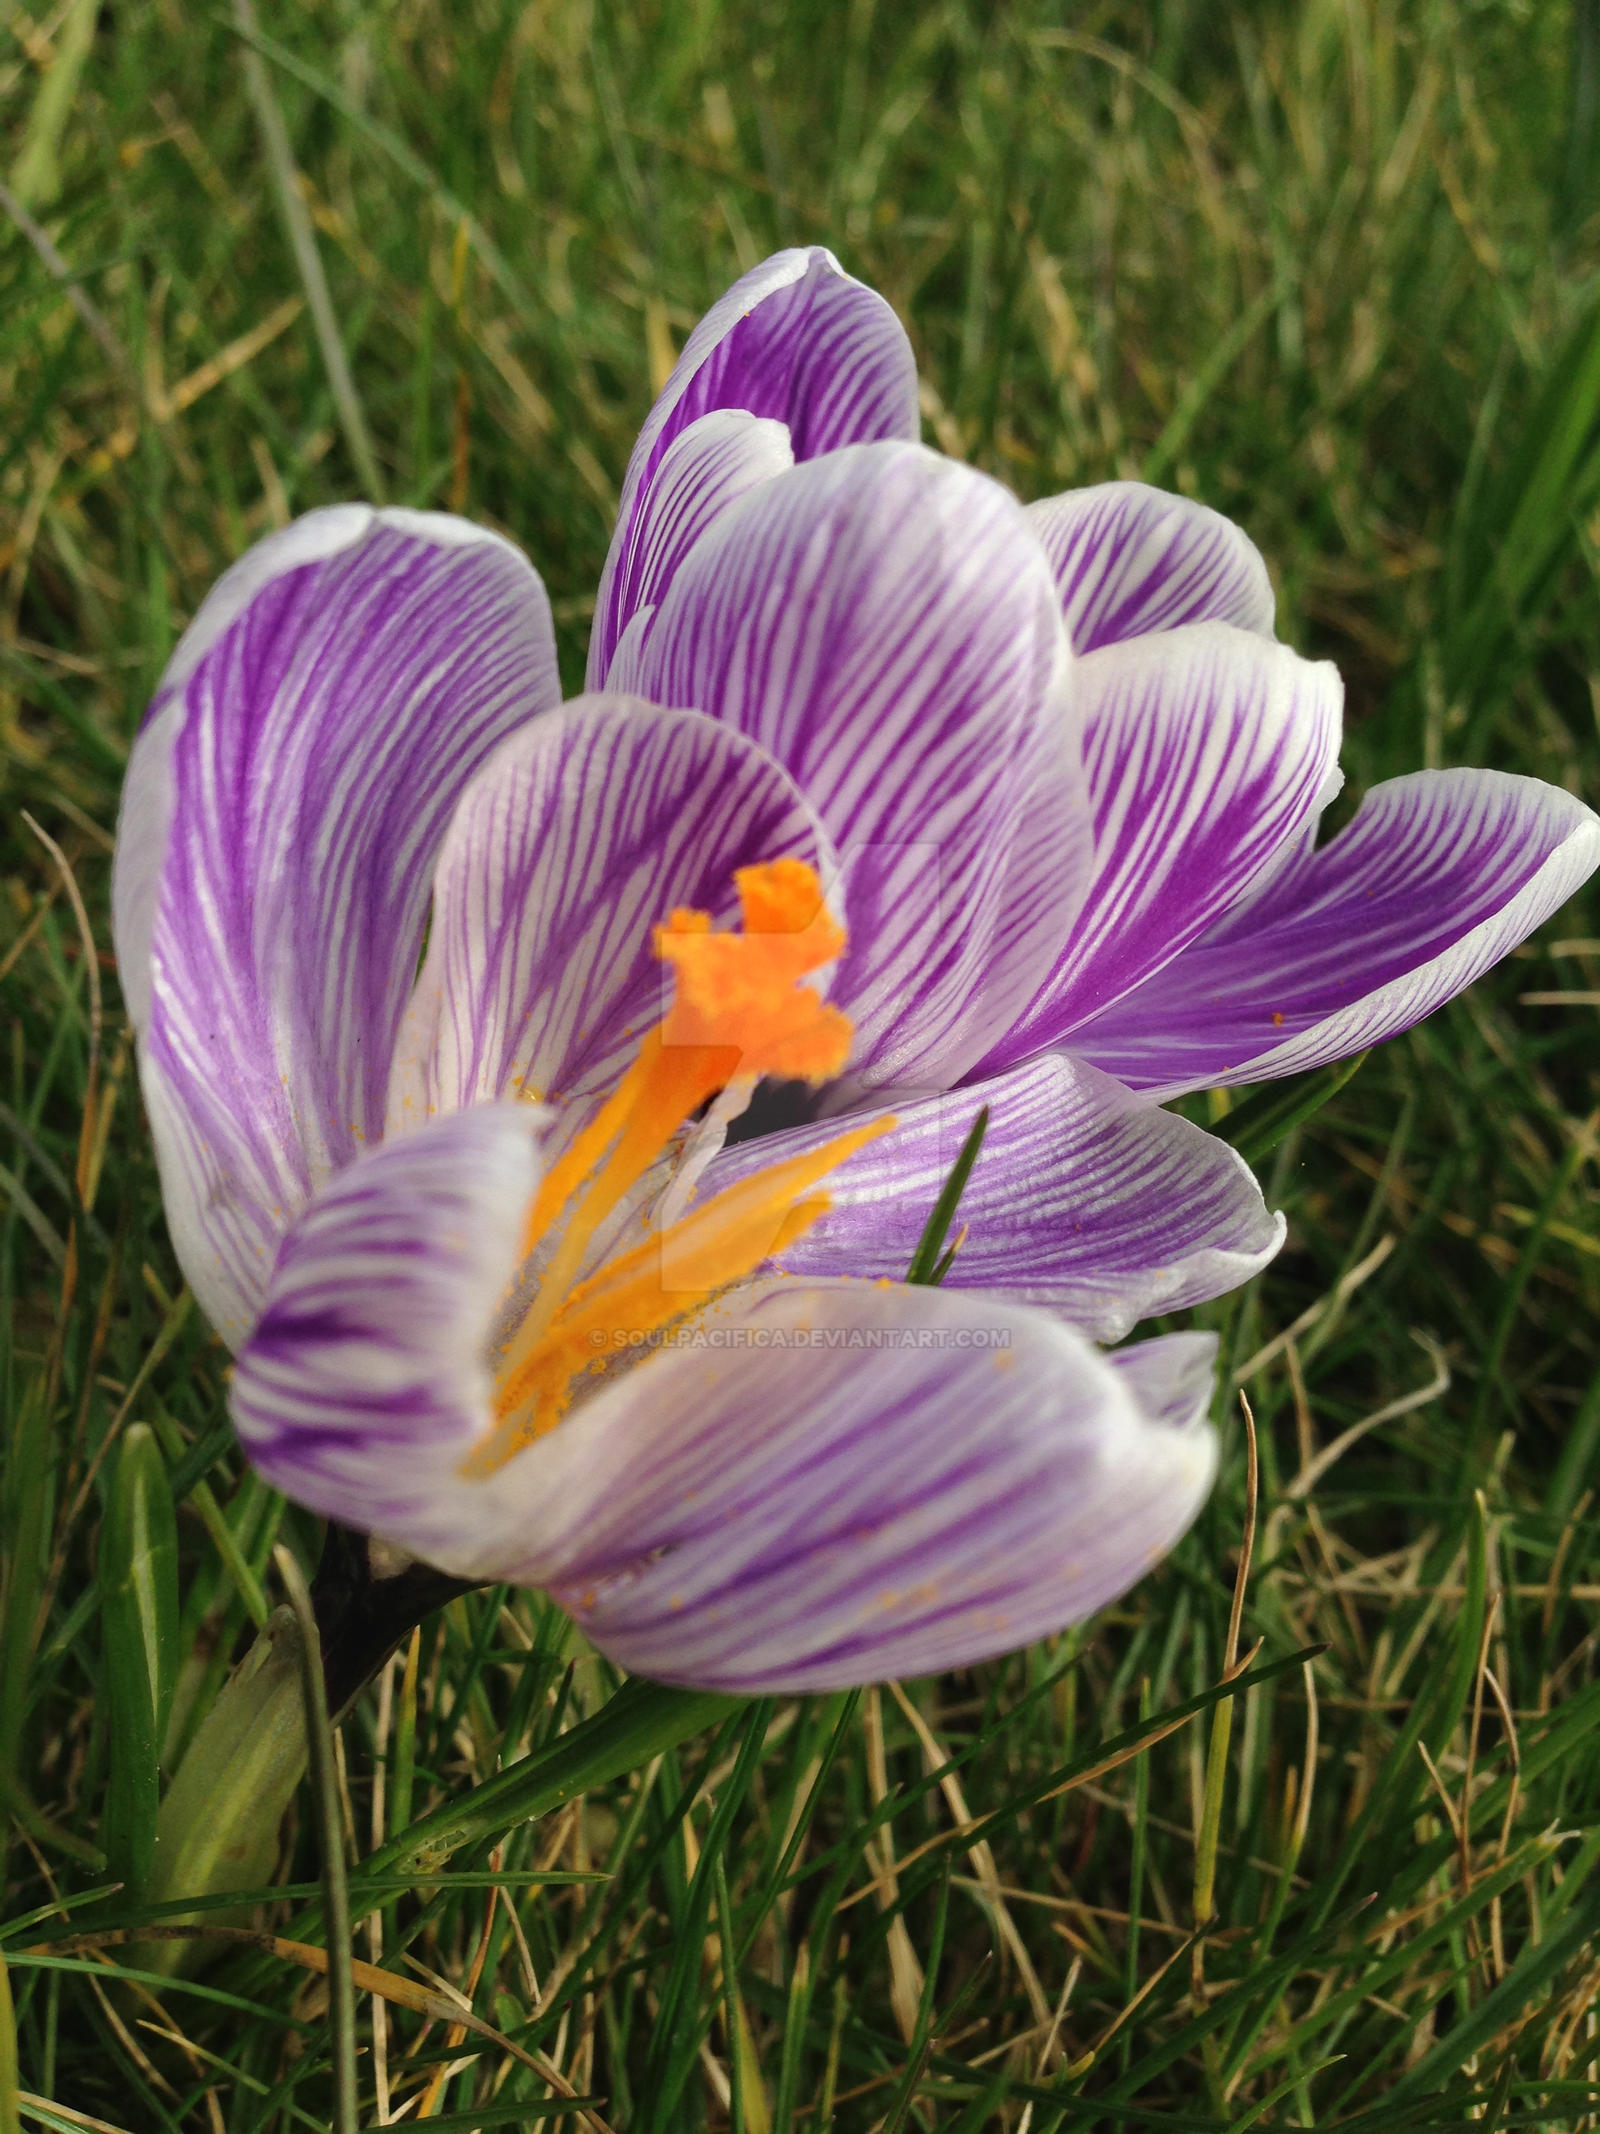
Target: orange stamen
[
  {"x": 741, "y": 991},
  {"x": 739, "y": 1012},
  {"x": 660, "y": 1281}
]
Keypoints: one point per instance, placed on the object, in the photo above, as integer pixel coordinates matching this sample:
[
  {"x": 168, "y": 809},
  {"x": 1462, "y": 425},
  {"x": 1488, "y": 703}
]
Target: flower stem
[{"x": 363, "y": 1609}]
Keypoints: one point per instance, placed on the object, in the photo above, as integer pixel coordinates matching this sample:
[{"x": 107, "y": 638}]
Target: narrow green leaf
[
  {"x": 218, "y": 1826},
  {"x": 288, "y": 185},
  {"x": 10, "y": 2076},
  {"x": 930, "y": 1263},
  {"x": 1208, "y": 376},
  {"x": 1509, "y": 543},
  {"x": 139, "y": 1625},
  {"x": 525, "y": 2114},
  {"x": 919, "y": 2044},
  {"x": 27, "y": 1493},
  {"x": 1431, "y": 1718},
  {"x": 1531, "y": 1975},
  {"x": 405, "y": 160},
  {"x": 36, "y": 174},
  {"x": 1270, "y": 1115},
  {"x": 335, "y": 1878},
  {"x": 246, "y": 1584},
  {"x": 797, "y": 2016},
  {"x": 682, "y": 2022},
  {"x": 1378, "y": 1974},
  {"x": 640, "y": 1721},
  {"x": 1275, "y": 2095}
]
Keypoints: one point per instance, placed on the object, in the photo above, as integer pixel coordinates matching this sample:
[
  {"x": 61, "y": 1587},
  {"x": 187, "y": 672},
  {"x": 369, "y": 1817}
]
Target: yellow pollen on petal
[{"x": 739, "y": 1012}]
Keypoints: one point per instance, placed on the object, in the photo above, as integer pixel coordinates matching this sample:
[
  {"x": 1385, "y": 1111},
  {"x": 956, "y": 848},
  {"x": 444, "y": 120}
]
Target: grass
[{"x": 1331, "y": 268}]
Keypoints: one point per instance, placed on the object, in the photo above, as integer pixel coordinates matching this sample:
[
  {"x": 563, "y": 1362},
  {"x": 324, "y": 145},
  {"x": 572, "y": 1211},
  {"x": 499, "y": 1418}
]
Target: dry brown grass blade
[
  {"x": 905, "y": 1968},
  {"x": 1079, "y": 1778},
  {"x": 91, "y": 1079},
  {"x": 65, "y": 2111},
  {"x": 458, "y": 2029},
  {"x": 1085, "y": 2061},
  {"x": 1317, "y": 1466},
  {"x": 240, "y": 351},
  {"x": 402, "y": 1992},
  {"x": 934, "y": 1758},
  {"x": 28, "y": 935},
  {"x": 1340, "y": 1294}
]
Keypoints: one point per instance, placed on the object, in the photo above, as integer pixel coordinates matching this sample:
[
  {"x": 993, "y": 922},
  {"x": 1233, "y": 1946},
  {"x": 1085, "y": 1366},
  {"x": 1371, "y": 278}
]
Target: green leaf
[
  {"x": 1529, "y": 1977},
  {"x": 641, "y": 1720},
  {"x": 139, "y": 1625},
  {"x": 1514, "y": 532},
  {"x": 27, "y": 1497},
  {"x": 10, "y": 2079},
  {"x": 1270, "y": 1115},
  {"x": 335, "y": 1877},
  {"x": 36, "y": 176},
  {"x": 930, "y": 1263},
  {"x": 218, "y": 1826}
]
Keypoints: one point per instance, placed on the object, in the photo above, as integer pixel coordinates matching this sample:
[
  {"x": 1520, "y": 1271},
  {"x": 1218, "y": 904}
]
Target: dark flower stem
[{"x": 363, "y": 1609}]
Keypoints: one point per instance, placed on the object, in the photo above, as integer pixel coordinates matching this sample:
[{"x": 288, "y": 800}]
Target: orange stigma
[
  {"x": 741, "y": 992},
  {"x": 739, "y": 1012}
]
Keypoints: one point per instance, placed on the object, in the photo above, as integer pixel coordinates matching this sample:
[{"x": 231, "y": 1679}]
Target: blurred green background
[{"x": 1329, "y": 266}]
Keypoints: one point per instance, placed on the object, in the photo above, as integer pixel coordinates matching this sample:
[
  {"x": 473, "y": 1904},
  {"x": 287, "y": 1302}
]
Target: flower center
[{"x": 739, "y": 1013}]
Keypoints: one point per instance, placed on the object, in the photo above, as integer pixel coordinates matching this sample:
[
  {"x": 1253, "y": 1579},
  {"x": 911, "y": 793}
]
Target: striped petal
[
  {"x": 819, "y": 1485},
  {"x": 882, "y": 622},
  {"x": 870, "y": 1482},
  {"x": 1129, "y": 559},
  {"x": 796, "y": 340},
  {"x": 1439, "y": 875},
  {"x": 363, "y": 1386},
  {"x": 577, "y": 838},
  {"x": 1205, "y": 749},
  {"x": 1084, "y": 1198},
  {"x": 282, "y": 811},
  {"x": 704, "y": 471}
]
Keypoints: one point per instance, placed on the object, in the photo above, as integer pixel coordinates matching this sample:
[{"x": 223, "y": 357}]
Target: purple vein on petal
[
  {"x": 299, "y": 774},
  {"x": 796, "y": 340},
  {"x": 1130, "y": 560}
]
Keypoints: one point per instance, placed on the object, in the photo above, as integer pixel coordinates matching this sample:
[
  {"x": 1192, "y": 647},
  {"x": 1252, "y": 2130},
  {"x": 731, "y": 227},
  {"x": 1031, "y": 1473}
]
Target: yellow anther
[{"x": 739, "y": 1012}]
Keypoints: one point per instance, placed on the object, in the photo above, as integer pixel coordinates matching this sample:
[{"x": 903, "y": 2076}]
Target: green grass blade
[
  {"x": 335, "y": 1884},
  {"x": 1268, "y": 1116},
  {"x": 139, "y": 1626},
  {"x": 10, "y": 2071},
  {"x": 930, "y": 1262}
]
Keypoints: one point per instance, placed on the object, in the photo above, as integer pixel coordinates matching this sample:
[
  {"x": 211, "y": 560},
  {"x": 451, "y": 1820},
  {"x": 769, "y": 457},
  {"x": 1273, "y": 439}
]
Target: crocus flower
[{"x": 575, "y": 1256}]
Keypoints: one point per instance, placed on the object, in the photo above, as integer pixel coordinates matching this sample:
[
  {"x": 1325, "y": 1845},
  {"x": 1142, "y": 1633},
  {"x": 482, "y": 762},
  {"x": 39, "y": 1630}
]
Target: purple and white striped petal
[
  {"x": 1440, "y": 874},
  {"x": 574, "y": 842},
  {"x": 883, "y": 623},
  {"x": 1130, "y": 559},
  {"x": 868, "y": 1482},
  {"x": 1173, "y": 1377},
  {"x": 705, "y": 469},
  {"x": 1084, "y": 1198},
  {"x": 282, "y": 812},
  {"x": 363, "y": 1386},
  {"x": 797, "y": 340},
  {"x": 820, "y": 1484},
  {"x": 1205, "y": 750}
]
